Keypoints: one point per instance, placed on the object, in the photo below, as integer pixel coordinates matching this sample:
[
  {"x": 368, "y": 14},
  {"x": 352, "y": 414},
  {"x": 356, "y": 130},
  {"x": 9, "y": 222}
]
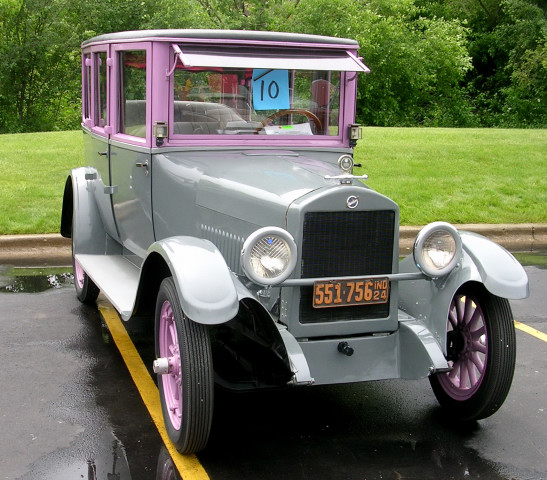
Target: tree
[
  {"x": 507, "y": 45},
  {"x": 40, "y": 56},
  {"x": 36, "y": 52},
  {"x": 416, "y": 63}
]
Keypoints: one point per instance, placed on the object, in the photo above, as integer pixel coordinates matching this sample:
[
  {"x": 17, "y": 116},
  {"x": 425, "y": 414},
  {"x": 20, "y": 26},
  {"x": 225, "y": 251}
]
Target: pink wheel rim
[
  {"x": 467, "y": 348},
  {"x": 169, "y": 348},
  {"x": 79, "y": 274}
]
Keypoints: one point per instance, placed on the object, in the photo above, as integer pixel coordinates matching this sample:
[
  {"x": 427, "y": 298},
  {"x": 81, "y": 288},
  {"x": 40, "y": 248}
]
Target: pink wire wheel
[
  {"x": 480, "y": 353},
  {"x": 86, "y": 291},
  {"x": 467, "y": 348},
  {"x": 185, "y": 372},
  {"x": 169, "y": 348},
  {"x": 79, "y": 274}
]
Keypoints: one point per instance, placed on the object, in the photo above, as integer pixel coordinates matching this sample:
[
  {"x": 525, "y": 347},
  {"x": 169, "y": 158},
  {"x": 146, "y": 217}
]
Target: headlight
[
  {"x": 345, "y": 162},
  {"x": 437, "y": 249},
  {"x": 268, "y": 256}
]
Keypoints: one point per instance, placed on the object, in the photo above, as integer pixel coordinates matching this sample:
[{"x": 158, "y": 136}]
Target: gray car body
[
  {"x": 202, "y": 214},
  {"x": 139, "y": 212}
]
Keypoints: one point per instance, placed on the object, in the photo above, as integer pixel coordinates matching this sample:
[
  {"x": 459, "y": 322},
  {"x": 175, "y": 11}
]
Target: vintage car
[{"x": 219, "y": 199}]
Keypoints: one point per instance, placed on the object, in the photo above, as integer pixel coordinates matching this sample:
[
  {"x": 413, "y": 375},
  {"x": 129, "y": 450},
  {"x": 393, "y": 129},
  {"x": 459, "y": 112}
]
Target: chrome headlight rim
[
  {"x": 421, "y": 254},
  {"x": 346, "y": 163},
  {"x": 247, "y": 252}
]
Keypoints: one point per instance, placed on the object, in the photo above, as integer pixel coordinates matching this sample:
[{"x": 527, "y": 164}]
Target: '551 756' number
[{"x": 339, "y": 293}]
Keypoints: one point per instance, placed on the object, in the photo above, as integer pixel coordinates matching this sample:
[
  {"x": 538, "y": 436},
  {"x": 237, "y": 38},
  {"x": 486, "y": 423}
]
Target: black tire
[
  {"x": 481, "y": 348},
  {"x": 187, "y": 391},
  {"x": 86, "y": 291}
]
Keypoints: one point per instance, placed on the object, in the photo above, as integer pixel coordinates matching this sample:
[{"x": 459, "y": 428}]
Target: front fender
[
  {"x": 205, "y": 285},
  {"x": 482, "y": 261},
  {"x": 500, "y": 272}
]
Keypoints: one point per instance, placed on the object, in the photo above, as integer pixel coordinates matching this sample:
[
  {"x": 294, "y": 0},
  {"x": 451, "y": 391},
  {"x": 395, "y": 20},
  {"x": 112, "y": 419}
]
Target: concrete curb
[{"x": 54, "y": 250}]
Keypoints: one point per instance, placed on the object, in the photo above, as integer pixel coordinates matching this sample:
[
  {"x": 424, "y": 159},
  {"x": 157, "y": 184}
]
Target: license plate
[{"x": 341, "y": 293}]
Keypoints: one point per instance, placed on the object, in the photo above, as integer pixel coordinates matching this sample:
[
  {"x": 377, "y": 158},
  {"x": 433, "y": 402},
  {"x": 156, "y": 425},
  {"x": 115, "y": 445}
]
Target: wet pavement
[{"x": 69, "y": 409}]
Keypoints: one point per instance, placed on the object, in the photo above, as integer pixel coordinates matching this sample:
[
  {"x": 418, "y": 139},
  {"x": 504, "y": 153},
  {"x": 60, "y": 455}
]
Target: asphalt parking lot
[{"x": 70, "y": 409}]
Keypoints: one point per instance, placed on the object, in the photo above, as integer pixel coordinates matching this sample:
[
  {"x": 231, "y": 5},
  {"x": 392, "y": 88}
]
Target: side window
[
  {"x": 100, "y": 90},
  {"x": 132, "y": 95},
  {"x": 86, "y": 88}
]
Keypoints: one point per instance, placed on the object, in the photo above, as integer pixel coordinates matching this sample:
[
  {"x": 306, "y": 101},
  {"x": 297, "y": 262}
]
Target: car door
[
  {"x": 130, "y": 157},
  {"x": 96, "y": 117}
]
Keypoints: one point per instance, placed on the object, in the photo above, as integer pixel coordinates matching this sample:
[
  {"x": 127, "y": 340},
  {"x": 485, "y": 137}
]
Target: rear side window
[
  {"x": 100, "y": 89},
  {"x": 86, "y": 88},
  {"x": 132, "y": 117}
]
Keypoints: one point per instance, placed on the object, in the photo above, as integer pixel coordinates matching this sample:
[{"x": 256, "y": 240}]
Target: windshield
[{"x": 255, "y": 101}]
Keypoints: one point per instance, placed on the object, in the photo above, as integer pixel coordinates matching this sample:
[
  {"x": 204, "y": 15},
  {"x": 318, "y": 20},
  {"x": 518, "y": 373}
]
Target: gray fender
[
  {"x": 80, "y": 217},
  {"x": 482, "y": 261},
  {"x": 500, "y": 272},
  {"x": 205, "y": 285}
]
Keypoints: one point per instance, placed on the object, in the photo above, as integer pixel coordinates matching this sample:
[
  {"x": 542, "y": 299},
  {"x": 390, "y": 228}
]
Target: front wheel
[
  {"x": 185, "y": 373},
  {"x": 481, "y": 350}
]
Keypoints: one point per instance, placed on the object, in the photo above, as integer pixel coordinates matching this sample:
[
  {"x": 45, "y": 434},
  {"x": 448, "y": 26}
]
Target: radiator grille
[{"x": 345, "y": 244}]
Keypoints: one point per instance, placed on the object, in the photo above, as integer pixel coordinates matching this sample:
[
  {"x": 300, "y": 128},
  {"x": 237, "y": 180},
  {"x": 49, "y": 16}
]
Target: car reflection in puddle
[
  {"x": 34, "y": 280},
  {"x": 109, "y": 464},
  {"x": 166, "y": 468}
]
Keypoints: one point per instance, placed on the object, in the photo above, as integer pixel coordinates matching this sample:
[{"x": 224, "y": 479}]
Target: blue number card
[{"x": 270, "y": 89}]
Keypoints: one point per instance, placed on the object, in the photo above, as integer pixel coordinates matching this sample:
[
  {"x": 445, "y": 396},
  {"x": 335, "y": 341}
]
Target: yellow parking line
[
  {"x": 187, "y": 465},
  {"x": 532, "y": 331}
]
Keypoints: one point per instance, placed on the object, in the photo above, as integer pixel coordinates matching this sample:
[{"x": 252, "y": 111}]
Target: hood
[{"x": 255, "y": 186}]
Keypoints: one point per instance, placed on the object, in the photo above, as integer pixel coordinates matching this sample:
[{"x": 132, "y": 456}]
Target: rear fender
[
  {"x": 87, "y": 232},
  {"x": 483, "y": 261}
]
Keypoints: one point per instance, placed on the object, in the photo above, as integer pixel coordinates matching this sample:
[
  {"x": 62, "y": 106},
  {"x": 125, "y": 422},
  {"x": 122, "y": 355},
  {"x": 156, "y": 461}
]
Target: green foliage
[
  {"x": 40, "y": 57},
  {"x": 36, "y": 56},
  {"x": 507, "y": 85},
  {"x": 433, "y": 62}
]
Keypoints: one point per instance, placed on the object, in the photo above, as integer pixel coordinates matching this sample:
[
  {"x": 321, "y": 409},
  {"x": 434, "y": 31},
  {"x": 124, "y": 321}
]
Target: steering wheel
[{"x": 299, "y": 111}]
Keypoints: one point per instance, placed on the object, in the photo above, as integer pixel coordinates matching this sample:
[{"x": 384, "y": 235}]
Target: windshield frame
[{"x": 192, "y": 58}]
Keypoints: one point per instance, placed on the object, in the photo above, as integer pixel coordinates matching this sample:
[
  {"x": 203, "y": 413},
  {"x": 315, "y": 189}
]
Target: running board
[{"x": 116, "y": 277}]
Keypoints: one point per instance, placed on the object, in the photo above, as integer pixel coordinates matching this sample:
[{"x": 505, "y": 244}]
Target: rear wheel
[
  {"x": 86, "y": 291},
  {"x": 481, "y": 350},
  {"x": 185, "y": 374}
]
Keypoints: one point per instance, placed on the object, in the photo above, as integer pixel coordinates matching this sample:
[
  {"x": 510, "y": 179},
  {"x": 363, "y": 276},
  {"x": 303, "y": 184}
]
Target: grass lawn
[
  {"x": 458, "y": 175},
  {"x": 33, "y": 171}
]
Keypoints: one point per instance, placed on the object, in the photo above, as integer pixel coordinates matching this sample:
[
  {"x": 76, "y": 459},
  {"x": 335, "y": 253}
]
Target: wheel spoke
[
  {"x": 452, "y": 317},
  {"x": 464, "y": 374},
  {"x": 455, "y": 372},
  {"x": 472, "y": 371},
  {"x": 469, "y": 310},
  {"x": 477, "y": 334},
  {"x": 479, "y": 347},
  {"x": 475, "y": 319},
  {"x": 460, "y": 309},
  {"x": 172, "y": 333},
  {"x": 477, "y": 360}
]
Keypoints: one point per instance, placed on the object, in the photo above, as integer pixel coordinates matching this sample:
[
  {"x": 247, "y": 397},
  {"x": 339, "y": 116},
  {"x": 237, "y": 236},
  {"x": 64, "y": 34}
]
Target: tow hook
[{"x": 343, "y": 347}]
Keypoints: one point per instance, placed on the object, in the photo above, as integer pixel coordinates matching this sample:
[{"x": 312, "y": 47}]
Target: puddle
[
  {"x": 34, "y": 280},
  {"x": 536, "y": 259}
]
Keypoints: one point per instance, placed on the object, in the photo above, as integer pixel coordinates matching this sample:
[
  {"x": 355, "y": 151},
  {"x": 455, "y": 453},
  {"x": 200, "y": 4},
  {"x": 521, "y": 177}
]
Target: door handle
[
  {"x": 103, "y": 154},
  {"x": 143, "y": 165}
]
